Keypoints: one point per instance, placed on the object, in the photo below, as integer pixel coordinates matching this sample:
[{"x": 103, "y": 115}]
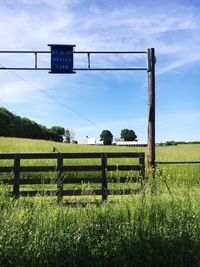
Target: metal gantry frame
[
  {"x": 150, "y": 68},
  {"x": 88, "y": 53}
]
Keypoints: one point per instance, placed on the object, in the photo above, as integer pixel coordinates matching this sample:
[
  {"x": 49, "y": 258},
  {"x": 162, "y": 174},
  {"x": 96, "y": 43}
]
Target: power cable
[
  {"x": 2, "y": 101},
  {"x": 54, "y": 99}
]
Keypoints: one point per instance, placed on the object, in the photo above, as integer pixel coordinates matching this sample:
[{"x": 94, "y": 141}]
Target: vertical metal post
[
  {"x": 151, "y": 107},
  {"x": 88, "y": 54},
  {"x": 35, "y": 60}
]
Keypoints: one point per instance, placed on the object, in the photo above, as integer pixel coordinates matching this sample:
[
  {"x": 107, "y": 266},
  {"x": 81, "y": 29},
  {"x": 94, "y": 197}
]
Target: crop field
[{"x": 159, "y": 229}]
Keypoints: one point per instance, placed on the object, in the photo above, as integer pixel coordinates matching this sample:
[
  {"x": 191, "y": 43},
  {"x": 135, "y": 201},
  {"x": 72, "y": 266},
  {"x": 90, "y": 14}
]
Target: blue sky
[{"x": 89, "y": 102}]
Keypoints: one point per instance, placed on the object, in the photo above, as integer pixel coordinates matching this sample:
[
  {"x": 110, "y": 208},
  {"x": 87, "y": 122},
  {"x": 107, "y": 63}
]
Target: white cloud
[
  {"x": 172, "y": 29},
  {"x": 15, "y": 92},
  {"x": 179, "y": 63},
  {"x": 130, "y": 28}
]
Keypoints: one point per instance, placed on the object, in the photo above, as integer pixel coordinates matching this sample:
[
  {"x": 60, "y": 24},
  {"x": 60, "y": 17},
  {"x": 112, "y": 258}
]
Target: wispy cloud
[
  {"x": 14, "y": 92},
  {"x": 175, "y": 65},
  {"x": 132, "y": 27},
  {"x": 171, "y": 27}
]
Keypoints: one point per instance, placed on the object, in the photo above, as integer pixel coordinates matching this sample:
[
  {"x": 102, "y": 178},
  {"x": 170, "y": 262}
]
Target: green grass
[
  {"x": 162, "y": 229},
  {"x": 145, "y": 230},
  {"x": 179, "y": 174},
  {"x": 20, "y": 145}
]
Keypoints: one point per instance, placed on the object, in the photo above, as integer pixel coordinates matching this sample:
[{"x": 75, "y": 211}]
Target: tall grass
[
  {"x": 142, "y": 230},
  {"x": 146, "y": 230}
]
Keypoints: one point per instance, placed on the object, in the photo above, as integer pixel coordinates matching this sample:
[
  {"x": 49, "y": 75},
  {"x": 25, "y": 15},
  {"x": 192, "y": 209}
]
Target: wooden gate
[{"x": 20, "y": 166}]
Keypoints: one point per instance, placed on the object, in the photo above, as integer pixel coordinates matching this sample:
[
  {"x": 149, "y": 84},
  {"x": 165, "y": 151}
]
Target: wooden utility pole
[{"x": 151, "y": 107}]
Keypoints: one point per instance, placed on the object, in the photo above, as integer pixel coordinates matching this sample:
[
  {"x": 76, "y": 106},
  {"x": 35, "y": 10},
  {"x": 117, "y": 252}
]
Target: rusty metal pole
[{"x": 151, "y": 109}]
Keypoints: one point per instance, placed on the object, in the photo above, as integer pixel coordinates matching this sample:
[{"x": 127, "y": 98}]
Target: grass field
[
  {"x": 141, "y": 230},
  {"x": 164, "y": 153},
  {"x": 179, "y": 174}
]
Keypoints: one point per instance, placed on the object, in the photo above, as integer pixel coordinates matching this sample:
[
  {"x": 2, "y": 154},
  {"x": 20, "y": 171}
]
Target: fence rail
[
  {"x": 176, "y": 162},
  {"x": 61, "y": 170}
]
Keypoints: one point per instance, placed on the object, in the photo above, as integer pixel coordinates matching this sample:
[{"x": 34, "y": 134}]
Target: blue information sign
[{"x": 62, "y": 60}]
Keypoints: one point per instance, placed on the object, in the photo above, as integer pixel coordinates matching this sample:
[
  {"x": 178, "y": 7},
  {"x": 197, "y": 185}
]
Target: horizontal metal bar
[
  {"x": 8, "y": 68},
  {"x": 75, "y": 52},
  {"x": 110, "y": 52},
  {"x": 110, "y": 69},
  {"x": 25, "y": 52},
  {"x": 77, "y": 69}
]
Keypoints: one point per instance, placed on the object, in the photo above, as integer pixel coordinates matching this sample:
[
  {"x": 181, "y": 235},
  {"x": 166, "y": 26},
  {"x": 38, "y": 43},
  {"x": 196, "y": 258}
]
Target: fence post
[
  {"x": 142, "y": 165},
  {"x": 16, "y": 176},
  {"x": 59, "y": 179},
  {"x": 104, "y": 178}
]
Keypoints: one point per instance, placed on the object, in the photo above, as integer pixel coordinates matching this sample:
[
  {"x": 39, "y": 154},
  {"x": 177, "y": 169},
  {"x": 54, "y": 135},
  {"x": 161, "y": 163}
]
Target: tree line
[
  {"x": 16, "y": 126},
  {"x": 175, "y": 143},
  {"x": 127, "y": 135}
]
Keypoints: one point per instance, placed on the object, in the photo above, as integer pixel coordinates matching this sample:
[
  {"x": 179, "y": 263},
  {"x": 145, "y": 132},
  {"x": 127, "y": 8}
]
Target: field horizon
[{"x": 159, "y": 229}]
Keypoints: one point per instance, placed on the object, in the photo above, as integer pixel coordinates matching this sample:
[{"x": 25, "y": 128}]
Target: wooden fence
[
  {"x": 62, "y": 170},
  {"x": 176, "y": 162}
]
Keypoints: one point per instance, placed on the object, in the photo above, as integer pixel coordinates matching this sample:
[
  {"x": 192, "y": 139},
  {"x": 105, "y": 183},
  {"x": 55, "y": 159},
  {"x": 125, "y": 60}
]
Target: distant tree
[
  {"x": 57, "y": 130},
  {"x": 15, "y": 126},
  {"x": 107, "y": 137},
  {"x": 6, "y": 122},
  {"x": 128, "y": 135},
  {"x": 57, "y": 133},
  {"x": 170, "y": 143},
  {"x": 68, "y": 135},
  {"x": 29, "y": 129}
]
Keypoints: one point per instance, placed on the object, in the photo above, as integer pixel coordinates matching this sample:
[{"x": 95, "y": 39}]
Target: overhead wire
[
  {"x": 54, "y": 99},
  {"x": 6, "y": 104}
]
